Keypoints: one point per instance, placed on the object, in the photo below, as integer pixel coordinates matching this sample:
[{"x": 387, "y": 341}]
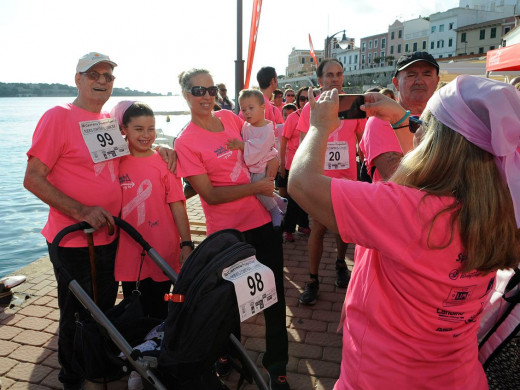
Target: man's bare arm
[{"x": 387, "y": 163}]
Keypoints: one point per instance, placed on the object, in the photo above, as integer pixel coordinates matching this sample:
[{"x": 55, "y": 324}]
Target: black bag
[
  {"x": 197, "y": 330},
  {"x": 95, "y": 356}
]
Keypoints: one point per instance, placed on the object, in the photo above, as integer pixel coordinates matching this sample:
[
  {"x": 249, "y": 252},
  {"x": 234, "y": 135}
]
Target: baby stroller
[{"x": 174, "y": 366}]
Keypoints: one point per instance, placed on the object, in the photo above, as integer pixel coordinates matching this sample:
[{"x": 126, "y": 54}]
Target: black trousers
[
  {"x": 269, "y": 251},
  {"x": 77, "y": 262},
  {"x": 295, "y": 215}
]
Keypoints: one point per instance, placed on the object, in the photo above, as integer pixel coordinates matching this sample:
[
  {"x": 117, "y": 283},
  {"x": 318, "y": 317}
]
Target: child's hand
[{"x": 235, "y": 144}]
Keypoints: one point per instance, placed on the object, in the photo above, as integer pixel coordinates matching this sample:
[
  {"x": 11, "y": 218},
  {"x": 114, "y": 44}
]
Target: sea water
[{"x": 22, "y": 215}]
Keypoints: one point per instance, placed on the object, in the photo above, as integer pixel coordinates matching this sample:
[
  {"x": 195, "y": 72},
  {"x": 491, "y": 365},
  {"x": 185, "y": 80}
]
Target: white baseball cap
[{"x": 89, "y": 60}]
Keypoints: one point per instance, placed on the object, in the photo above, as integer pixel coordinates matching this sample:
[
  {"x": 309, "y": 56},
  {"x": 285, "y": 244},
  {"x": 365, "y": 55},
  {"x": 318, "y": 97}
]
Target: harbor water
[{"x": 22, "y": 215}]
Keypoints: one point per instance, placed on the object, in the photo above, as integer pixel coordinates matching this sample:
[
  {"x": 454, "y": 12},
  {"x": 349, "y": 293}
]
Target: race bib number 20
[
  {"x": 254, "y": 286},
  {"x": 336, "y": 156},
  {"x": 103, "y": 139}
]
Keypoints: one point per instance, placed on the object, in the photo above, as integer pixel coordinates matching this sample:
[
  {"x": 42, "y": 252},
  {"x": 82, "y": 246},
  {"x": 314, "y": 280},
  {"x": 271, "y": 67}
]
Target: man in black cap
[{"x": 416, "y": 78}]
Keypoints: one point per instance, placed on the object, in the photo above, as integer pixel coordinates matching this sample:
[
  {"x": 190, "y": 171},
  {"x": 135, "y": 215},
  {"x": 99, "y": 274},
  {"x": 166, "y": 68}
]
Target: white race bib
[
  {"x": 254, "y": 285},
  {"x": 337, "y": 156},
  {"x": 103, "y": 139}
]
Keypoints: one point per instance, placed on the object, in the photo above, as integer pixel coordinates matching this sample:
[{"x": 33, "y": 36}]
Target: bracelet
[
  {"x": 400, "y": 127},
  {"x": 405, "y": 116},
  {"x": 188, "y": 243}
]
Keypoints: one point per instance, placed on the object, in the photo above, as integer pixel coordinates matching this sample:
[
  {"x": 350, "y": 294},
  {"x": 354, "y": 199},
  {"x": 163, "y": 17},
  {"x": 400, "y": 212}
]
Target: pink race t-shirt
[
  {"x": 293, "y": 137},
  {"x": 58, "y": 143},
  {"x": 202, "y": 152},
  {"x": 258, "y": 146},
  {"x": 340, "y": 158},
  {"x": 272, "y": 113},
  {"x": 148, "y": 189},
  {"x": 378, "y": 138},
  {"x": 411, "y": 315}
]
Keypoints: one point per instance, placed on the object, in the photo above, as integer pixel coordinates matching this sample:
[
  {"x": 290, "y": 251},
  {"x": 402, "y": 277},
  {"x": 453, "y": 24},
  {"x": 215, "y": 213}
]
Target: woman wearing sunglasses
[
  {"x": 288, "y": 145},
  {"x": 222, "y": 180},
  {"x": 435, "y": 234}
]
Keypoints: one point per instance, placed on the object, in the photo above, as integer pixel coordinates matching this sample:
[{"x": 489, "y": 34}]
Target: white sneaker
[{"x": 135, "y": 382}]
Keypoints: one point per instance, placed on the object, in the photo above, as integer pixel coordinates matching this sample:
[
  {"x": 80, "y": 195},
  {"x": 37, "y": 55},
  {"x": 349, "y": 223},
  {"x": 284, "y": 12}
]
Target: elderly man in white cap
[{"x": 63, "y": 172}]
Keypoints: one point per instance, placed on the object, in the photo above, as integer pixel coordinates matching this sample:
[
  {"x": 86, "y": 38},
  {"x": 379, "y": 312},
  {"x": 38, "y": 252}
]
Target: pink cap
[
  {"x": 119, "y": 110},
  {"x": 487, "y": 113}
]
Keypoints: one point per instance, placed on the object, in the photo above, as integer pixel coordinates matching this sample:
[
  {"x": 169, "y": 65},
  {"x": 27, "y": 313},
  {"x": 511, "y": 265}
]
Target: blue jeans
[{"x": 77, "y": 262}]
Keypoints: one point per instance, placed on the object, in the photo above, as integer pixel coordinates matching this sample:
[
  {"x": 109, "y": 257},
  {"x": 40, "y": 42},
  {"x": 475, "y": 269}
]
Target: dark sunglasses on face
[
  {"x": 94, "y": 76},
  {"x": 289, "y": 95},
  {"x": 414, "y": 123},
  {"x": 201, "y": 91},
  {"x": 303, "y": 98}
]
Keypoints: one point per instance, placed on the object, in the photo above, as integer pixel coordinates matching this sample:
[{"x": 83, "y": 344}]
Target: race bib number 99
[
  {"x": 336, "y": 156},
  {"x": 254, "y": 286},
  {"x": 103, "y": 139}
]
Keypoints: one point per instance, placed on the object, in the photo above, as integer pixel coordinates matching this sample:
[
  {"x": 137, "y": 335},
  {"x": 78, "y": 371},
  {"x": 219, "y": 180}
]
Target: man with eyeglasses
[
  {"x": 62, "y": 173},
  {"x": 416, "y": 78}
]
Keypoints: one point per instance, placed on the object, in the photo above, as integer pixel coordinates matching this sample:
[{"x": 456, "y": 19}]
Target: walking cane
[{"x": 92, "y": 256}]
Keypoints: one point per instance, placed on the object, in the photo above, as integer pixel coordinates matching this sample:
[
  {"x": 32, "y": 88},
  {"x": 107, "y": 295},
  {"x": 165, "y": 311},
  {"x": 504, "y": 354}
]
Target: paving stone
[
  {"x": 326, "y": 315},
  {"x": 52, "y": 344},
  {"x": 52, "y": 328},
  {"x": 6, "y": 364},
  {"x": 12, "y": 319},
  {"x": 35, "y": 311},
  {"x": 52, "y": 380},
  {"x": 300, "y": 312},
  {"x": 7, "y": 347},
  {"x": 324, "y": 339},
  {"x": 6, "y": 382},
  {"x": 52, "y": 360},
  {"x": 310, "y": 325},
  {"x": 32, "y": 337},
  {"x": 252, "y": 330},
  {"x": 332, "y": 354},
  {"x": 28, "y": 372},
  {"x": 319, "y": 368},
  {"x": 9, "y": 332},
  {"x": 305, "y": 351},
  {"x": 34, "y": 323},
  {"x": 30, "y": 354}
]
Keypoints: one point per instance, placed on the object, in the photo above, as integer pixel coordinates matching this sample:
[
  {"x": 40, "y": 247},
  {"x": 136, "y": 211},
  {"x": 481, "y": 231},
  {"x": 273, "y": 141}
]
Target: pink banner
[
  {"x": 312, "y": 52},
  {"x": 255, "y": 21}
]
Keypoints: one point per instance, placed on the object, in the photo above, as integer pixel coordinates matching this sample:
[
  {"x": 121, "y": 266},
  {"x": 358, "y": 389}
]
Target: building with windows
[
  {"x": 478, "y": 38},
  {"x": 395, "y": 46},
  {"x": 300, "y": 62},
  {"x": 373, "y": 51},
  {"x": 416, "y": 33},
  {"x": 349, "y": 58}
]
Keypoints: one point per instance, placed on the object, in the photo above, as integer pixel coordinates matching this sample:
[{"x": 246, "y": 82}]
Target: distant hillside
[{"x": 45, "y": 90}]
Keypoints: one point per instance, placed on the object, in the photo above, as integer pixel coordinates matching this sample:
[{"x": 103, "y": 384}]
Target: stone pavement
[{"x": 28, "y": 333}]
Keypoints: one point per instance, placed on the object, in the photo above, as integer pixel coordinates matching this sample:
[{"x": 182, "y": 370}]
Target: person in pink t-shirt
[
  {"x": 277, "y": 100},
  {"x": 435, "y": 234},
  {"x": 340, "y": 164},
  {"x": 258, "y": 148},
  {"x": 221, "y": 178},
  {"x": 268, "y": 83},
  {"x": 153, "y": 203}
]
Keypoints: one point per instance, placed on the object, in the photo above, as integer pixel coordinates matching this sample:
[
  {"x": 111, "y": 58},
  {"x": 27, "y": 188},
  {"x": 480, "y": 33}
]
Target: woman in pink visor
[{"x": 435, "y": 233}]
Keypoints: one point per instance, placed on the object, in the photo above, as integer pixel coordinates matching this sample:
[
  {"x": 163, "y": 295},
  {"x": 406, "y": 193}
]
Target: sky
[{"x": 153, "y": 41}]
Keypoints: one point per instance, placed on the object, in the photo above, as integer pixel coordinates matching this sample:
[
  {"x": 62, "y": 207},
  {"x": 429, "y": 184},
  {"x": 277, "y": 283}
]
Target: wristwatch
[{"x": 188, "y": 243}]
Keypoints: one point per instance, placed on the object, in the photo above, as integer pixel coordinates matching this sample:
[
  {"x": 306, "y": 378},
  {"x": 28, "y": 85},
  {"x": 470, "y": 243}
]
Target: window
[
  {"x": 383, "y": 43},
  {"x": 506, "y": 30},
  {"x": 370, "y": 44},
  {"x": 451, "y": 26},
  {"x": 400, "y": 34},
  {"x": 406, "y": 48},
  {"x": 363, "y": 59},
  {"x": 491, "y": 47},
  {"x": 438, "y": 44},
  {"x": 369, "y": 58},
  {"x": 450, "y": 42},
  {"x": 350, "y": 60},
  {"x": 392, "y": 49},
  {"x": 355, "y": 58},
  {"x": 392, "y": 35},
  {"x": 303, "y": 60},
  {"x": 482, "y": 34},
  {"x": 441, "y": 28},
  {"x": 415, "y": 46},
  {"x": 363, "y": 46},
  {"x": 480, "y": 50},
  {"x": 399, "y": 49},
  {"x": 432, "y": 45},
  {"x": 424, "y": 45},
  {"x": 375, "y": 43},
  {"x": 434, "y": 28},
  {"x": 493, "y": 32},
  {"x": 463, "y": 37}
]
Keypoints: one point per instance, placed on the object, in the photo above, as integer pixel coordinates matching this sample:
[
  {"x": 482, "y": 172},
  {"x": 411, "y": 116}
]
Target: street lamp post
[{"x": 343, "y": 43}]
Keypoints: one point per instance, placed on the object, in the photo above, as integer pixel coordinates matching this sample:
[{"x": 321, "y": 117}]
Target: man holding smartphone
[
  {"x": 416, "y": 78},
  {"x": 339, "y": 163}
]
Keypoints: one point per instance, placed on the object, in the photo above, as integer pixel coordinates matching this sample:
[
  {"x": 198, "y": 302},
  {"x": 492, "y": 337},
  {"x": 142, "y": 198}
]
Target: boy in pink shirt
[{"x": 258, "y": 148}]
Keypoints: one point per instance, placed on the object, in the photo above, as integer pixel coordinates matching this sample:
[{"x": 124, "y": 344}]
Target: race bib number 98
[
  {"x": 103, "y": 139},
  {"x": 254, "y": 286}
]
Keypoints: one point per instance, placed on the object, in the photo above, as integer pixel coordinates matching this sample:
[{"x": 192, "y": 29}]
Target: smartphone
[{"x": 349, "y": 107}]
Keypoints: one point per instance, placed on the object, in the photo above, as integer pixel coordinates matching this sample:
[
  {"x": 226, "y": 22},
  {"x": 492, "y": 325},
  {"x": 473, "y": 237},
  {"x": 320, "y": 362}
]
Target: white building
[
  {"x": 507, "y": 6},
  {"x": 416, "y": 32},
  {"x": 349, "y": 59}
]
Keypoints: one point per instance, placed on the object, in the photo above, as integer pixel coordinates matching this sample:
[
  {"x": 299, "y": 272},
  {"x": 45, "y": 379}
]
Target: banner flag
[
  {"x": 312, "y": 52},
  {"x": 255, "y": 21}
]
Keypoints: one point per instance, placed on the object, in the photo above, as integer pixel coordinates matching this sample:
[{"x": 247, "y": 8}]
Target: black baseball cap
[{"x": 408, "y": 59}]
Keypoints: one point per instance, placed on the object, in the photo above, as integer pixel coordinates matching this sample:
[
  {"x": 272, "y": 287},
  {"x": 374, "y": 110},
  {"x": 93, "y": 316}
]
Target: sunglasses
[
  {"x": 94, "y": 76},
  {"x": 289, "y": 95},
  {"x": 414, "y": 123},
  {"x": 303, "y": 98},
  {"x": 201, "y": 91}
]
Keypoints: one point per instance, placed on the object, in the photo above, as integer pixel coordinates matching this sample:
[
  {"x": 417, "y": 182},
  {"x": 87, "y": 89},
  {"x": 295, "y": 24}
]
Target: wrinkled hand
[
  {"x": 234, "y": 144},
  {"x": 96, "y": 216},
  {"x": 382, "y": 107},
  {"x": 324, "y": 111},
  {"x": 265, "y": 186},
  {"x": 272, "y": 167}
]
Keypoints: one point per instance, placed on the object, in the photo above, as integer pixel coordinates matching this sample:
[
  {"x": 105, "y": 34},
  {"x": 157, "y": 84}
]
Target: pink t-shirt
[
  {"x": 202, "y": 152},
  {"x": 378, "y": 138},
  {"x": 148, "y": 189},
  {"x": 58, "y": 143},
  {"x": 411, "y": 315},
  {"x": 342, "y": 142},
  {"x": 293, "y": 137},
  {"x": 258, "y": 146},
  {"x": 272, "y": 113}
]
